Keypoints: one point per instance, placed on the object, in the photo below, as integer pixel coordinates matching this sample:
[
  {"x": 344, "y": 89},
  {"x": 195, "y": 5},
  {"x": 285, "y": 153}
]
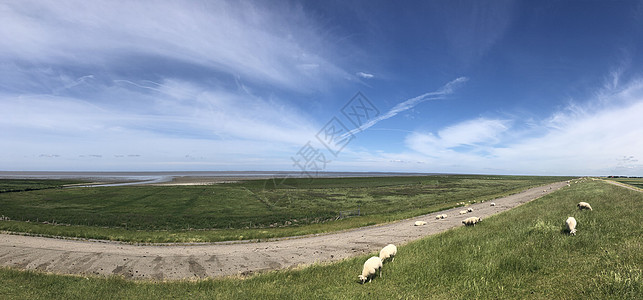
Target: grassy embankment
[
  {"x": 256, "y": 209},
  {"x": 520, "y": 254}
]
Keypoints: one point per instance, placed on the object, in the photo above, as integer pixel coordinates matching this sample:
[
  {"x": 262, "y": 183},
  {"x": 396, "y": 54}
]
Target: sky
[{"x": 485, "y": 87}]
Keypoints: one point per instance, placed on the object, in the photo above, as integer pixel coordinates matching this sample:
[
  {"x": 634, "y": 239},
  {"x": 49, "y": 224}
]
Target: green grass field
[
  {"x": 520, "y": 254},
  {"x": 256, "y": 209}
]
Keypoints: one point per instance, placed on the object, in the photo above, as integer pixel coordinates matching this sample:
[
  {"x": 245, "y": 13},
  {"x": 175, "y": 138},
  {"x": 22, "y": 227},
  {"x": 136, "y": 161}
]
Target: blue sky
[{"x": 502, "y": 87}]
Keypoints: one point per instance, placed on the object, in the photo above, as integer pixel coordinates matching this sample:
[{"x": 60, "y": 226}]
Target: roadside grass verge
[
  {"x": 249, "y": 210},
  {"x": 519, "y": 254}
]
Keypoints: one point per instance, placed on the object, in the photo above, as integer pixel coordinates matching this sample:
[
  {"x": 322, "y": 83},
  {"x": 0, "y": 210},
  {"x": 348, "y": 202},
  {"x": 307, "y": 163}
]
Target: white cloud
[
  {"x": 589, "y": 144},
  {"x": 409, "y": 104},
  {"x": 365, "y": 75},
  {"x": 601, "y": 136},
  {"x": 111, "y": 78},
  {"x": 277, "y": 44},
  {"x": 478, "y": 131},
  {"x": 171, "y": 118}
]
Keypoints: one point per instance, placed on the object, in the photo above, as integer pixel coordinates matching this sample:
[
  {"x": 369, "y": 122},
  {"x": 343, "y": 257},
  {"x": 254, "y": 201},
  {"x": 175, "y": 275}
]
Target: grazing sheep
[
  {"x": 571, "y": 225},
  {"x": 420, "y": 223},
  {"x": 493, "y": 203},
  {"x": 471, "y": 221},
  {"x": 469, "y": 209},
  {"x": 584, "y": 205},
  {"x": 371, "y": 266},
  {"x": 442, "y": 216},
  {"x": 388, "y": 252},
  {"x": 463, "y": 212}
]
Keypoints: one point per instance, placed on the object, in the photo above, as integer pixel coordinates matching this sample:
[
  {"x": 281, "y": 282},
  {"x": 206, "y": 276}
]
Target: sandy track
[{"x": 221, "y": 259}]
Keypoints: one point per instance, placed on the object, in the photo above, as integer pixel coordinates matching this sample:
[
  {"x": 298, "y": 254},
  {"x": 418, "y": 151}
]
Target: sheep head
[{"x": 362, "y": 278}]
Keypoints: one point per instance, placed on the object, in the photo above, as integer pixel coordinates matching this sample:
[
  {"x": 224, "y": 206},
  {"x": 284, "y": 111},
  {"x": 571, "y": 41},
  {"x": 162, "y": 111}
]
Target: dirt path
[
  {"x": 220, "y": 259},
  {"x": 623, "y": 185}
]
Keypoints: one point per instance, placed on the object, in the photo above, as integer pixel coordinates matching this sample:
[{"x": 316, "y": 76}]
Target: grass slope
[
  {"x": 256, "y": 209},
  {"x": 522, "y": 253}
]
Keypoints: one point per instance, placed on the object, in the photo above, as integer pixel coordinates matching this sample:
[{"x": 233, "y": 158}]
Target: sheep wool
[
  {"x": 420, "y": 223},
  {"x": 388, "y": 252},
  {"x": 469, "y": 209},
  {"x": 584, "y": 205},
  {"x": 471, "y": 221},
  {"x": 571, "y": 225},
  {"x": 463, "y": 212},
  {"x": 442, "y": 216},
  {"x": 371, "y": 266},
  {"x": 493, "y": 204}
]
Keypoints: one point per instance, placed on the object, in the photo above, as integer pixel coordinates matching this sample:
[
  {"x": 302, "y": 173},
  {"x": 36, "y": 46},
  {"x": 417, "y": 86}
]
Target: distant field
[
  {"x": 519, "y": 254},
  {"x": 21, "y": 185},
  {"x": 636, "y": 182},
  {"x": 246, "y": 210}
]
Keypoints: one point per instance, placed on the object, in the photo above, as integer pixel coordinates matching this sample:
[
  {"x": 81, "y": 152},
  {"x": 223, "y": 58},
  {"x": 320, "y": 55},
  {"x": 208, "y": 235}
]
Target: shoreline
[{"x": 184, "y": 178}]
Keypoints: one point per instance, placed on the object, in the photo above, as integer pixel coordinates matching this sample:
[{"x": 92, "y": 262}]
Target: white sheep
[
  {"x": 371, "y": 266},
  {"x": 463, "y": 212},
  {"x": 420, "y": 223},
  {"x": 388, "y": 252},
  {"x": 493, "y": 204},
  {"x": 471, "y": 221},
  {"x": 584, "y": 205},
  {"x": 571, "y": 225},
  {"x": 442, "y": 216},
  {"x": 469, "y": 209}
]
